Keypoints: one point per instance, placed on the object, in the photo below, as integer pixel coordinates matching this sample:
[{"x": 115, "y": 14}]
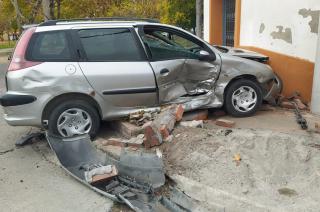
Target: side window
[
  {"x": 49, "y": 46},
  {"x": 109, "y": 45},
  {"x": 165, "y": 45}
]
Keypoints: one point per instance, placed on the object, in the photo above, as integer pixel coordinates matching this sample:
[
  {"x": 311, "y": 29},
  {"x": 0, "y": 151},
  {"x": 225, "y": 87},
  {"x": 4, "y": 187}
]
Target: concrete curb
[{"x": 5, "y": 52}]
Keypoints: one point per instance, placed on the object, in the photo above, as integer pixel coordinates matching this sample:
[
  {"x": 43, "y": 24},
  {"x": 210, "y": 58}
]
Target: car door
[
  {"x": 115, "y": 65},
  {"x": 175, "y": 57}
]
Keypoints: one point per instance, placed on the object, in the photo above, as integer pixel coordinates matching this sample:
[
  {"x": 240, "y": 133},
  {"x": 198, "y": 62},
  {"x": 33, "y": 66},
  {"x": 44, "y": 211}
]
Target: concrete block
[
  {"x": 112, "y": 151},
  {"x": 195, "y": 115},
  {"x": 225, "y": 123},
  {"x": 126, "y": 129}
]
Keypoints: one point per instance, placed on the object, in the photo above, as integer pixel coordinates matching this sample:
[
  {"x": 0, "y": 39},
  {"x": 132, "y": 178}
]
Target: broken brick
[
  {"x": 164, "y": 131},
  {"x": 151, "y": 137},
  {"x": 225, "y": 123},
  {"x": 287, "y": 105},
  {"x": 196, "y": 115},
  {"x": 300, "y": 104},
  {"x": 179, "y": 112}
]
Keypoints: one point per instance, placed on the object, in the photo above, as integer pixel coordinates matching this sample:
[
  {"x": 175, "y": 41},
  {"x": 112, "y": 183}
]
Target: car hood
[{"x": 243, "y": 53}]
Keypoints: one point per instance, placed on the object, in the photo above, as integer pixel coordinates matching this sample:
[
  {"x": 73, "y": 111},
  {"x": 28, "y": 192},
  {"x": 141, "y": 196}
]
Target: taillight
[{"x": 18, "y": 60}]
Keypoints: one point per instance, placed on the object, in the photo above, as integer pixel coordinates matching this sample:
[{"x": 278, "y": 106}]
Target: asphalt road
[{"x": 32, "y": 180}]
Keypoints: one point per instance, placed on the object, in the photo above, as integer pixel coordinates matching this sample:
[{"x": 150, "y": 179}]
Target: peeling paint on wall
[
  {"x": 285, "y": 35},
  {"x": 262, "y": 28},
  {"x": 314, "y": 14}
]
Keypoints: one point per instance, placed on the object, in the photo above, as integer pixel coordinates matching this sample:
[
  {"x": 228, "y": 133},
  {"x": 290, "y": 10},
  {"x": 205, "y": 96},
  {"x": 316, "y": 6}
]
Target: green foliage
[
  {"x": 176, "y": 12},
  {"x": 7, "y": 45},
  {"x": 179, "y": 12}
]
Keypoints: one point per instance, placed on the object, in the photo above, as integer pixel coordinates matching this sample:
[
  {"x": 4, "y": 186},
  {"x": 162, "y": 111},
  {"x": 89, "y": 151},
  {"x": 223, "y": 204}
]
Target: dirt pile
[{"x": 274, "y": 171}]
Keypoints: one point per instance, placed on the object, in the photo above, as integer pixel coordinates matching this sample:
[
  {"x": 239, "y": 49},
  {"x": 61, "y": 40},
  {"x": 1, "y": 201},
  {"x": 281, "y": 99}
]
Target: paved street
[{"x": 31, "y": 179}]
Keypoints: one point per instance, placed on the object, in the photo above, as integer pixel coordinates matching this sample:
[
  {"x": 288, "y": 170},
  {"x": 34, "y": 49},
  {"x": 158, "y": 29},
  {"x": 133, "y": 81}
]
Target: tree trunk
[
  {"x": 47, "y": 9},
  {"x": 19, "y": 15},
  {"x": 199, "y": 18},
  {"x": 58, "y": 9},
  {"x": 52, "y": 9},
  {"x": 34, "y": 11}
]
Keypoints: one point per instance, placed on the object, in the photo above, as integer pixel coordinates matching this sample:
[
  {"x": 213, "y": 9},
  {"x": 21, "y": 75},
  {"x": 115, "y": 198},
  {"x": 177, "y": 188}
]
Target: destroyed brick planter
[
  {"x": 225, "y": 123},
  {"x": 160, "y": 129}
]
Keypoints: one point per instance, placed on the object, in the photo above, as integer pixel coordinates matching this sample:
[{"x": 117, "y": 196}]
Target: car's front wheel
[
  {"x": 74, "y": 117},
  {"x": 243, "y": 98}
]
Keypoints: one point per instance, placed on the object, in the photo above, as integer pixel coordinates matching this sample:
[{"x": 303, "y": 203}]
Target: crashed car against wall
[{"x": 67, "y": 76}]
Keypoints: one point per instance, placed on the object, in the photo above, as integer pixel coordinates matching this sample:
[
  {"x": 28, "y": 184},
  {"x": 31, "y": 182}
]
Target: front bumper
[{"x": 272, "y": 89}]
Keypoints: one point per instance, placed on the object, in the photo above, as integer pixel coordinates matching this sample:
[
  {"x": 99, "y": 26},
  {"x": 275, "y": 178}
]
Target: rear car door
[
  {"x": 115, "y": 65},
  {"x": 175, "y": 59}
]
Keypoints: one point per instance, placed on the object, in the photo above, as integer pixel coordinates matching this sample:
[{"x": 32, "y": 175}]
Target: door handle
[{"x": 164, "y": 72}]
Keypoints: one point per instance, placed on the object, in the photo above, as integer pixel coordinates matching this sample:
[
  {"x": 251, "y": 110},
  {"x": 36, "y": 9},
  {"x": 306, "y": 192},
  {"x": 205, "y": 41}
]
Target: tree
[{"x": 179, "y": 12}]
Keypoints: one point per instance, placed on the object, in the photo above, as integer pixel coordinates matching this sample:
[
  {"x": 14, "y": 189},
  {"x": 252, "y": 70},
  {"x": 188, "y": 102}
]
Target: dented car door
[{"x": 177, "y": 61}]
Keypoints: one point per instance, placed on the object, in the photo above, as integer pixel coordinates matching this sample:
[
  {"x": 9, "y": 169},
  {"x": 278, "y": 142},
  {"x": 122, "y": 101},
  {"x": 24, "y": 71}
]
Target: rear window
[
  {"x": 49, "y": 46},
  {"x": 109, "y": 45}
]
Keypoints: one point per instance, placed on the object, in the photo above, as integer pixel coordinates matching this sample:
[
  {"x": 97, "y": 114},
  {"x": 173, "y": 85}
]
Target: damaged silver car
[{"x": 67, "y": 76}]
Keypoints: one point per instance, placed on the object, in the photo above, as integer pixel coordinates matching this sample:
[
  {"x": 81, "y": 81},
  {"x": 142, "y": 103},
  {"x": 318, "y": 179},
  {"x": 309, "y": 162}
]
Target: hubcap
[
  {"x": 74, "y": 121},
  {"x": 244, "y": 99}
]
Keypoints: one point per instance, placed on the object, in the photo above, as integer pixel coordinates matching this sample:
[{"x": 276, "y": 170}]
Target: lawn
[{"x": 7, "y": 44}]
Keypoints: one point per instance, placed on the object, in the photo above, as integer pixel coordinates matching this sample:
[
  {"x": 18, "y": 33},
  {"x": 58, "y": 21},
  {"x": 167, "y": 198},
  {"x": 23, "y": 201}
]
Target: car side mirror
[{"x": 206, "y": 56}]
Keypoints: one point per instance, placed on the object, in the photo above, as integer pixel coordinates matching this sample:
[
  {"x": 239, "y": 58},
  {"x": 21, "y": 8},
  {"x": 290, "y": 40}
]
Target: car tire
[
  {"x": 77, "y": 114},
  {"x": 243, "y": 98}
]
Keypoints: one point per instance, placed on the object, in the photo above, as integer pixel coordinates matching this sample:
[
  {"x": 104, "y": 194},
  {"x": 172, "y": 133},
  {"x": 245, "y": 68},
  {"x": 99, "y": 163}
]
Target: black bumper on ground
[{"x": 16, "y": 99}]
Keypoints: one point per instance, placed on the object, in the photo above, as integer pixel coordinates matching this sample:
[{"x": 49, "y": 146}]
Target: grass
[{"x": 7, "y": 44}]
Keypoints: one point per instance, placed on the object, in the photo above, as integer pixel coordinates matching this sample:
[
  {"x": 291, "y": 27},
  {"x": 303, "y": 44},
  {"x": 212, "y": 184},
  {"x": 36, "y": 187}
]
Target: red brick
[
  {"x": 104, "y": 177},
  {"x": 196, "y": 115},
  {"x": 151, "y": 137},
  {"x": 287, "y": 105},
  {"x": 164, "y": 131},
  {"x": 225, "y": 123},
  {"x": 179, "y": 112},
  {"x": 300, "y": 104}
]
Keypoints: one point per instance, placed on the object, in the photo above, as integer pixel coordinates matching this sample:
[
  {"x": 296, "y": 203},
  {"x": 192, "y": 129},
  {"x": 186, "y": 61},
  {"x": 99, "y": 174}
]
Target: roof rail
[{"x": 54, "y": 22}]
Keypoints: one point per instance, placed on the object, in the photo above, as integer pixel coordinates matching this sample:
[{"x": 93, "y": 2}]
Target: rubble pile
[{"x": 292, "y": 101}]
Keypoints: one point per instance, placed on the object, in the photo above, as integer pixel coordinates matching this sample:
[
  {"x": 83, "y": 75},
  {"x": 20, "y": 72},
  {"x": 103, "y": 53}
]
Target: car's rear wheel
[
  {"x": 74, "y": 117},
  {"x": 243, "y": 98}
]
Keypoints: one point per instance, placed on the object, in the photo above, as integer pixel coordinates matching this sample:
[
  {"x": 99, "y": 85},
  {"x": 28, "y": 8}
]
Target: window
[
  {"x": 49, "y": 46},
  {"x": 109, "y": 45},
  {"x": 166, "y": 45}
]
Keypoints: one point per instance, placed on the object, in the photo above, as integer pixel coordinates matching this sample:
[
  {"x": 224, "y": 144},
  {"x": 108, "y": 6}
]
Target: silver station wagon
[{"x": 68, "y": 75}]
